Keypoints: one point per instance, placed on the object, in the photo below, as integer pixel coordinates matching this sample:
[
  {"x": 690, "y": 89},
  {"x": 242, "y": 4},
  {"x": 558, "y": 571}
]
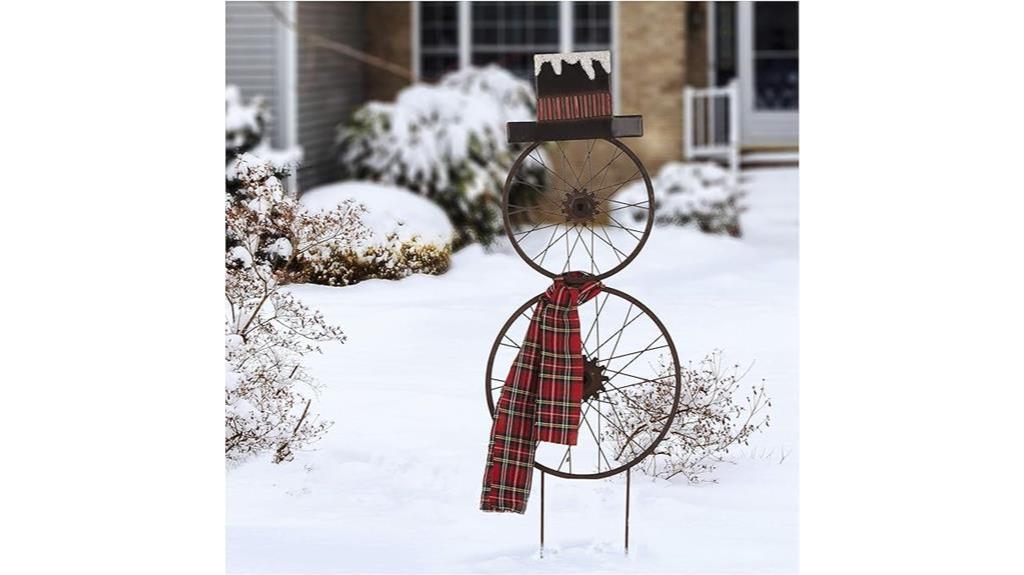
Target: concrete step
[{"x": 770, "y": 158}]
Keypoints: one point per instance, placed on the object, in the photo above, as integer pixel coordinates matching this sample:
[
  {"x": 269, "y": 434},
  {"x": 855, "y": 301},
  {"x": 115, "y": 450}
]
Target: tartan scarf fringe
[{"x": 541, "y": 398}]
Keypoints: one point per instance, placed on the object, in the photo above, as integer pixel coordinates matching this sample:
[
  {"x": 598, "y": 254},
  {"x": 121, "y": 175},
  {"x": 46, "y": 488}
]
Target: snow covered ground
[{"x": 395, "y": 485}]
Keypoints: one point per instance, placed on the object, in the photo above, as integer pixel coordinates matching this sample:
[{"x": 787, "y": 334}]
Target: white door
[{"x": 768, "y": 65}]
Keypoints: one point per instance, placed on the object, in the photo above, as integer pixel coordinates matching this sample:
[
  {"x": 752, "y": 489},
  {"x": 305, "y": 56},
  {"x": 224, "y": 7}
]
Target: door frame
[{"x": 759, "y": 128}]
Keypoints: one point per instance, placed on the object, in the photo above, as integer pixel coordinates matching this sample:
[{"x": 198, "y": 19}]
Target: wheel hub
[
  {"x": 580, "y": 206},
  {"x": 593, "y": 379}
]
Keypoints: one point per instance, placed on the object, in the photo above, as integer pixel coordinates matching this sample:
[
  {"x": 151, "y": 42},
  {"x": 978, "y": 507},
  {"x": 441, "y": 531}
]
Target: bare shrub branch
[
  {"x": 709, "y": 422},
  {"x": 268, "y": 392}
]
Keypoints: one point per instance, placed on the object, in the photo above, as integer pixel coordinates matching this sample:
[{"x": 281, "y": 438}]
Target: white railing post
[
  {"x": 701, "y": 110},
  {"x": 734, "y": 131},
  {"x": 701, "y": 136},
  {"x": 712, "y": 133},
  {"x": 687, "y": 123}
]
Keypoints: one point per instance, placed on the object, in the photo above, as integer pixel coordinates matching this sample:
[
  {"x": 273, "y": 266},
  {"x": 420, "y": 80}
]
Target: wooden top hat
[{"x": 574, "y": 101}]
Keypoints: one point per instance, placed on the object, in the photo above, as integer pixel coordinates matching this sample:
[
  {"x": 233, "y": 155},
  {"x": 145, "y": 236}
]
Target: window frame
[{"x": 566, "y": 31}]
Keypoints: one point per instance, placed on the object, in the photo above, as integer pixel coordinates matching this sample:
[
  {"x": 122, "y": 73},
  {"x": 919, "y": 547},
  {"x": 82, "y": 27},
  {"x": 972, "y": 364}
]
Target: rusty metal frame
[
  {"x": 675, "y": 402},
  {"x": 508, "y": 221}
]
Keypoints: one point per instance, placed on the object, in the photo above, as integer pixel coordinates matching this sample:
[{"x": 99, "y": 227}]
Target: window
[
  {"x": 725, "y": 42},
  {"x": 592, "y": 26},
  {"x": 506, "y": 33},
  {"x": 439, "y": 38},
  {"x": 776, "y": 56},
  {"x": 510, "y": 33}
]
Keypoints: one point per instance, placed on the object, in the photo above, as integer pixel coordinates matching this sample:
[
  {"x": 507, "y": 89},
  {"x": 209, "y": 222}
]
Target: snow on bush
[
  {"x": 407, "y": 234},
  {"x": 245, "y": 125},
  {"x": 446, "y": 142},
  {"x": 708, "y": 423},
  {"x": 690, "y": 195},
  {"x": 268, "y": 392}
]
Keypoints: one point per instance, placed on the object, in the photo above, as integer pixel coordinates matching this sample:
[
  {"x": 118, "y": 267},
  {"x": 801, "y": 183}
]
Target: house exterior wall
[
  {"x": 252, "y": 40},
  {"x": 697, "y": 44},
  {"x": 389, "y": 36},
  {"x": 652, "y": 61},
  {"x": 329, "y": 85}
]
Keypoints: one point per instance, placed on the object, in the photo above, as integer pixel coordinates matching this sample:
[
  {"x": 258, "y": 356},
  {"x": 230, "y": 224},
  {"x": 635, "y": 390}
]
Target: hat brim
[{"x": 608, "y": 127}]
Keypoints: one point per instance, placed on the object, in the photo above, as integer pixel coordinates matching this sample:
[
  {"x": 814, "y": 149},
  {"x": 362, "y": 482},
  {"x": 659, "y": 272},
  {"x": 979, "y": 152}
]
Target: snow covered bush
[
  {"x": 266, "y": 225},
  {"x": 708, "y": 423},
  {"x": 407, "y": 234},
  {"x": 697, "y": 195},
  {"x": 268, "y": 393},
  {"x": 245, "y": 125},
  {"x": 446, "y": 142}
]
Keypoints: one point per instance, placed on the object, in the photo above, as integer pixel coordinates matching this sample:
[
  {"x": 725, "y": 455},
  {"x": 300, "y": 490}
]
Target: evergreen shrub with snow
[
  {"x": 709, "y": 423},
  {"x": 446, "y": 142},
  {"x": 694, "y": 194},
  {"x": 269, "y": 394}
]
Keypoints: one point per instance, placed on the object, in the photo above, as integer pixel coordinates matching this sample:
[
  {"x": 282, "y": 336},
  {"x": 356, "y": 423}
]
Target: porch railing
[{"x": 711, "y": 125}]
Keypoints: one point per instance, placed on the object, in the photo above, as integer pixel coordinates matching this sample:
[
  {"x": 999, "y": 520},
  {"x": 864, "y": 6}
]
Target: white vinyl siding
[
  {"x": 330, "y": 85},
  {"x": 252, "y": 38}
]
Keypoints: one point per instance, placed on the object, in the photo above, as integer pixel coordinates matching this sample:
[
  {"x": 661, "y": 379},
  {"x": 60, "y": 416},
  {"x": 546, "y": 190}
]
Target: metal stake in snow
[{"x": 565, "y": 218}]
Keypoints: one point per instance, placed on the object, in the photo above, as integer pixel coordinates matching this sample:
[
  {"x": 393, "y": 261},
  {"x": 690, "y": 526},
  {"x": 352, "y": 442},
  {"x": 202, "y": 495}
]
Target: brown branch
[{"x": 303, "y": 417}]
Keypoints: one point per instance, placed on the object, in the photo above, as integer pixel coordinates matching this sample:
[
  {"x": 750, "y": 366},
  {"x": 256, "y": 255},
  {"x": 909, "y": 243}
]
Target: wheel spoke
[
  {"x": 568, "y": 256},
  {"x": 541, "y": 162},
  {"x": 624, "y": 325},
  {"x": 604, "y": 169},
  {"x": 625, "y": 203},
  {"x": 622, "y": 208},
  {"x": 635, "y": 352},
  {"x": 543, "y": 192},
  {"x": 545, "y": 252},
  {"x": 569, "y": 164},
  {"x": 532, "y": 209},
  {"x": 533, "y": 229},
  {"x": 625, "y": 395},
  {"x": 618, "y": 339},
  {"x": 619, "y": 184},
  {"x": 550, "y": 241},
  {"x": 623, "y": 368},
  {"x": 621, "y": 427},
  {"x": 593, "y": 260},
  {"x": 596, "y": 440},
  {"x": 630, "y": 230},
  {"x": 587, "y": 161},
  {"x": 641, "y": 351},
  {"x": 608, "y": 241},
  {"x": 659, "y": 379},
  {"x": 579, "y": 236},
  {"x": 597, "y": 314}
]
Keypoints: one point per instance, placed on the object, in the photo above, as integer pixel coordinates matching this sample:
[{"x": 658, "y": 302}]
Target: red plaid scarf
[{"x": 541, "y": 398}]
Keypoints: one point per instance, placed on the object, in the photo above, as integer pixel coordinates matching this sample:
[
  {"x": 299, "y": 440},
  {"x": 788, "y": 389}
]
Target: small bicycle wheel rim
[
  {"x": 602, "y": 465},
  {"x": 605, "y": 234}
]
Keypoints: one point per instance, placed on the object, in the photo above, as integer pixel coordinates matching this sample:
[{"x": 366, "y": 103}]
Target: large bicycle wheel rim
[
  {"x": 601, "y": 233},
  {"x": 492, "y": 384}
]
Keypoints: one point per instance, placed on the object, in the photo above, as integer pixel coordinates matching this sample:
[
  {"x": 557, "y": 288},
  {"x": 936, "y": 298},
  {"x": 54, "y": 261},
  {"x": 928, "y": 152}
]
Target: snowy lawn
[{"x": 395, "y": 485}]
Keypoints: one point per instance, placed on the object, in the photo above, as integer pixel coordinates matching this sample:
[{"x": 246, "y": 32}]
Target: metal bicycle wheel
[
  {"x": 570, "y": 219},
  {"x": 632, "y": 385}
]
